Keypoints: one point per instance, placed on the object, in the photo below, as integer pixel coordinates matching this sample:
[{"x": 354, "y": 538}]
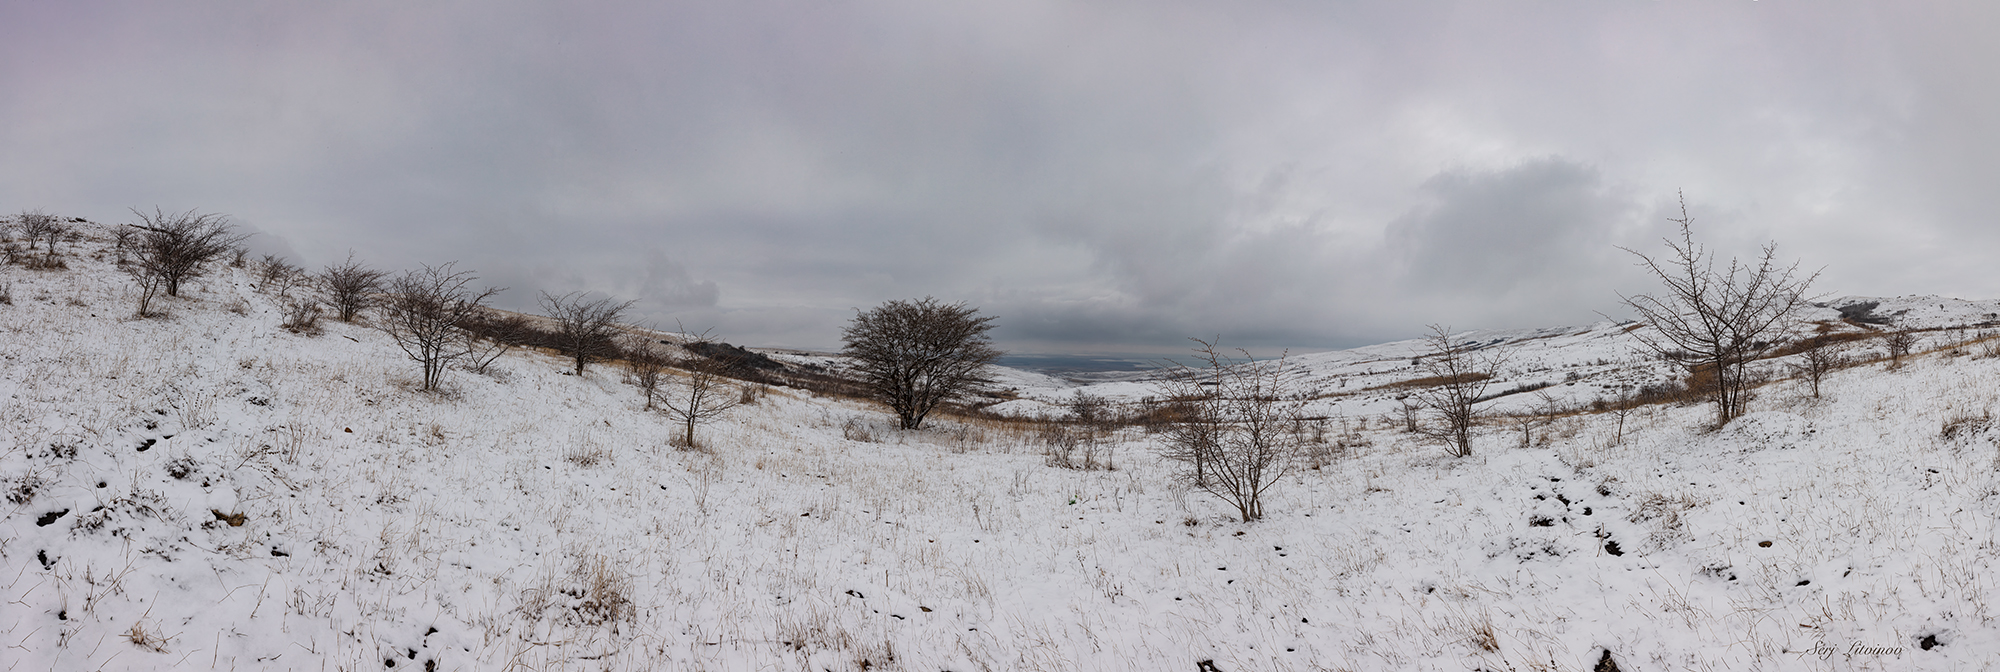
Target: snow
[{"x": 528, "y": 519}]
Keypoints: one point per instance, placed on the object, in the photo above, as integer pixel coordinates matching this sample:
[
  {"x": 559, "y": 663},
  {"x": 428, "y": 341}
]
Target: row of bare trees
[
  {"x": 1711, "y": 321},
  {"x": 40, "y": 229},
  {"x": 437, "y": 315}
]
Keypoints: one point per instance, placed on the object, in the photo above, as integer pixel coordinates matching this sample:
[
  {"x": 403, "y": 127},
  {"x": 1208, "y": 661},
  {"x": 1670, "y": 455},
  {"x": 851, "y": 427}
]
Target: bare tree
[
  {"x": 425, "y": 313},
  {"x": 706, "y": 393},
  {"x": 1818, "y": 360},
  {"x": 1190, "y": 421},
  {"x": 585, "y": 327},
  {"x": 1712, "y": 322},
  {"x": 645, "y": 366},
  {"x": 1232, "y": 428},
  {"x": 36, "y": 226},
  {"x": 149, "y": 284},
  {"x": 175, "y": 247},
  {"x": 1534, "y": 417},
  {"x": 1620, "y": 408},
  {"x": 915, "y": 355},
  {"x": 1900, "y": 344},
  {"x": 1091, "y": 411},
  {"x": 348, "y": 287},
  {"x": 1459, "y": 373},
  {"x": 1409, "y": 411}
]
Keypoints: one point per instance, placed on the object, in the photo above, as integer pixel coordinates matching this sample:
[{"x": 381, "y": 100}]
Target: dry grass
[
  {"x": 857, "y": 429},
  {"x": 150, "y": 640},
  {"x": 1428, "y": 381},
  {"x": 606, "y": 591},
  {"x": 1960, "y": 426},
  {"x": 586, "y": 451},
  {"x": 302, "y": 318}
]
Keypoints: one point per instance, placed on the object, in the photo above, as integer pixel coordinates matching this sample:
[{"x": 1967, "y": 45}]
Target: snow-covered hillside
[
  {"x": 209, "y": 491},
  {"x": 1577, "y": 365}
]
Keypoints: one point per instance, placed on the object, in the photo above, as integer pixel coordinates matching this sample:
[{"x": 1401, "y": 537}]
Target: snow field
[{"x": 533, "y": 520}]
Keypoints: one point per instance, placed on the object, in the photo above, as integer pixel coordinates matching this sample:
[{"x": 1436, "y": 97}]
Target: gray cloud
[{"x": 1098, "y": 175}]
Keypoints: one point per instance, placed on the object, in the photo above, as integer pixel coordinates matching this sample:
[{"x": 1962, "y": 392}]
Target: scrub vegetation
[{"x": 428, "y": 484}]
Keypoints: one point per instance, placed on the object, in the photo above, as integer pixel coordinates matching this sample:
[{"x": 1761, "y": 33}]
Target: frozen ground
[{"x": 528, "y": 519}]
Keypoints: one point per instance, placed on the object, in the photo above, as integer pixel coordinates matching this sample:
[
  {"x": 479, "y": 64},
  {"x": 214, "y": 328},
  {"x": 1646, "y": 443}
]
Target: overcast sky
[{"x": 1099, "y": 175}]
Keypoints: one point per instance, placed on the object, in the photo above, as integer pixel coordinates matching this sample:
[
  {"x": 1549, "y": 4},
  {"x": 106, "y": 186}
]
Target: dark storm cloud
[{"x": 1099, "y": 175}]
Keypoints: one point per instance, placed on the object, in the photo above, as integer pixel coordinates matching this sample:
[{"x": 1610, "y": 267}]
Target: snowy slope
[
  {"x": 1581, "y": 364},
  {"x": 529, "y": 519}
]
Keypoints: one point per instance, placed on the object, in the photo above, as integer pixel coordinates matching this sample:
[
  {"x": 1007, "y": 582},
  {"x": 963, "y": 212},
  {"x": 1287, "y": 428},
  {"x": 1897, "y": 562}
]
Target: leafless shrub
[
  {"x": 1410, "y": 411},
  {"x": 36, "y": 226},
  {"x": 1620, "y": 409},
  {"x": 1462, "y": 371},
  {"x": 423, "y": 313},
  {"x": 1713, "y": 323},
  {"x": 174, "y": 247},
  {"x": 277, "y": 275},
  {"x": 1815, "y": 362},
  {"x": 1090, "y": 410},
  {"x": 1320, "y": 447},
  {"x": 585, "y": 326},
  {"x": 149, "y": 284},
  {"x": 1527, "y": 420},
  {"x": 915, "y": 355},
  {"x": 7, "y": 292},
  {"x": 1074, "y": 447},
  {"x": 645, "y": 365},
  {"x": 705, "y": 395},
  {"x": 1230, "y": 433},
  {"x": 347, "y": 287},
  {"x": 302, "y": 317},
  {"x": 1989, "y": 345},
  {"x": 1900, "y": 343}
]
